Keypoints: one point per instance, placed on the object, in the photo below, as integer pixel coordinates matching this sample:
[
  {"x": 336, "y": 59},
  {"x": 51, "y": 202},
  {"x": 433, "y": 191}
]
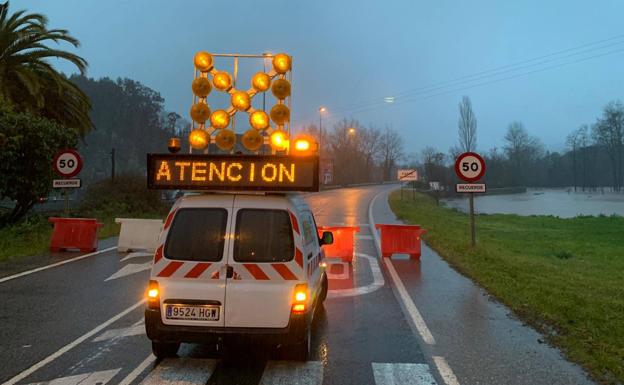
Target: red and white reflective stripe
[
  {"x": 197, "y": 270},
  {"x": 169, "y": 219},
  {"x": 159, "y": 254},
  {"x": 299, "y": 257},
  {"x": 264, "y": 272},
  {"x": 284, "y": 271},
  {"x": 256, "y": 271},
  {"x": 166, "y": 268},
  {"x": 295, "y": 224},
  {"x": 171, "y": 268}
]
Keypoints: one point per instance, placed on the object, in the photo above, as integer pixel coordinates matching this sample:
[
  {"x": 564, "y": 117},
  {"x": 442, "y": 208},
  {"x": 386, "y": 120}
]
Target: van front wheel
[{"x": 165, "y": 349}]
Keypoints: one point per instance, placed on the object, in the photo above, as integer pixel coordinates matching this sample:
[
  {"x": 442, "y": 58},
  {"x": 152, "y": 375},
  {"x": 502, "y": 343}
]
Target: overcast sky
[{"x": 349, "y": 55}]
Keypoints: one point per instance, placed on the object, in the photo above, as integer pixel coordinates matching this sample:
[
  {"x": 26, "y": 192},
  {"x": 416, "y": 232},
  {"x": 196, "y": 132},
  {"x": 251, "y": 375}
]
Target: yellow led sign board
[{"x": 232, "y": 172}]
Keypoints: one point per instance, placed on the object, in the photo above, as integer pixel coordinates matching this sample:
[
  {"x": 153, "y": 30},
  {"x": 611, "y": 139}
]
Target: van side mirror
[{"x": 327, "y": 238}]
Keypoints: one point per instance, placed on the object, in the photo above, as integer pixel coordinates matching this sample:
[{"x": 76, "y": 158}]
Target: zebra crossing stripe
[
  {"x": 402, "y": 374},
  {"x": 181, "y": 371},
  {"x": 292, "y": 372},
  {"x": 93, "y": 378}
]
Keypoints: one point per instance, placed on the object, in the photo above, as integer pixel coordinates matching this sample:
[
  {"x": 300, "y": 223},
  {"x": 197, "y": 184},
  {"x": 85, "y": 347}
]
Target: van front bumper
[{"x": 158, "y": 331}]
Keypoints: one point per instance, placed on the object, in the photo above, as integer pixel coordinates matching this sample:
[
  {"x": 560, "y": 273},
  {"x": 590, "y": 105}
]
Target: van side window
[
  {"x": 263, "y": 236},
  {"x": 309, "y": 229},
  {"x": 197, "y": 235}
]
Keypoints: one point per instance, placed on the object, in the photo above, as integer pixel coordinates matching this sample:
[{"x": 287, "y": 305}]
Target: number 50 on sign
[{"x": 470, "y": 167}]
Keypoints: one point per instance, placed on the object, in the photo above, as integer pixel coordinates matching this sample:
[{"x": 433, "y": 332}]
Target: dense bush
[
  {"x": 28, "y": 146},
  {"x": 126, "y": 195}
]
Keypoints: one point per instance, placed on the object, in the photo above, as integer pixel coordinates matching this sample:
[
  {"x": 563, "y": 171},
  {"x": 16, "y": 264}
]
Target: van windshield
[
  {"x": 263, "y": 236},
  {"x": 197, "y": 234}
]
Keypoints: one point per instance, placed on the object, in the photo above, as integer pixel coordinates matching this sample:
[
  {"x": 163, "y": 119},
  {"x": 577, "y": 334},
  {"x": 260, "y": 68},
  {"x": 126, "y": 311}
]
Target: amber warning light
[{"x": 232, "y": 172}]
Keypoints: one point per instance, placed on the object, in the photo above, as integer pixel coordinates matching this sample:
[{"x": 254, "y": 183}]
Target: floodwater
[{"x": 564, "y": 203}]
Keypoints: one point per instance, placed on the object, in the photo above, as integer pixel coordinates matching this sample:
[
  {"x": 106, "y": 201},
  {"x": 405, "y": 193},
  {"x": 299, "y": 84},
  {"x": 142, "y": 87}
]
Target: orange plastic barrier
[
  {"x": 343, "y": 241},
  {"x": 74, "y": 233},
  {"x": 400, "y": 239}
]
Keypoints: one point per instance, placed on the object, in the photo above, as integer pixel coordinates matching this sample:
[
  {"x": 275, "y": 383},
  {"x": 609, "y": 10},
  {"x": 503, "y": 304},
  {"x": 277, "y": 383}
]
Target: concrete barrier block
[{"x": 138, "y": 234}]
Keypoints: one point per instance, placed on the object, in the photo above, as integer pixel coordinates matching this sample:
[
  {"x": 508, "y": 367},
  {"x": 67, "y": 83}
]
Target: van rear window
[
  {"x": 263, "y": 236},
  {"x": 197, "y": 235}
]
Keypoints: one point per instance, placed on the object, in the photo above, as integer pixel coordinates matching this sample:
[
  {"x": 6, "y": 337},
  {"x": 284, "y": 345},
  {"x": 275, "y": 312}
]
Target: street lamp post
[
  {"x": 321, "y": 110},
  {"x": 320, "y": 143}
]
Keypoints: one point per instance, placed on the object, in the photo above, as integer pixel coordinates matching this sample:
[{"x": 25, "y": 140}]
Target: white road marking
[
  {"x": 292, "y": 373},
  {"x": 134, "y": 330},
  {"x": 10, "y": 277},
  {"x": 71, "y": 345},
  {"x": 409, "y": 305},
  {"x": 402, "y": 374},
  {"x": 138, "y": 370},
  {"x": 94, "y": 378},
  {"x": 445, "y": 371},
  {"x": 378, "y": 281},
  {"x": 443, "y": 367},
  {"x": 181, "y": 371},
  {"x": 129, "y": 269},
  {"x": 372, "y": 223},
  {"x": 137, "y": 254},
  {"x": 411, "y": 308}
]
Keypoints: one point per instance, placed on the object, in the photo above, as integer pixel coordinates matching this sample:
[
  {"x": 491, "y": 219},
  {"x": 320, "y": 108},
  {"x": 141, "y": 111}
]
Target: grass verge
[{"x": 565, "y": 277}]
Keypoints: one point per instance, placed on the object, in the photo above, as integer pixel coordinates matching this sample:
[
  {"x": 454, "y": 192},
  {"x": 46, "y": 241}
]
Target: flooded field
[{"x": 563, "y": 203}]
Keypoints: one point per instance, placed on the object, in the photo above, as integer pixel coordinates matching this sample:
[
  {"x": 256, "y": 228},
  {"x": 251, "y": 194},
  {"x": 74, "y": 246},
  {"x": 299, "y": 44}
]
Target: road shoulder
[{"x": 480, "y": 338}]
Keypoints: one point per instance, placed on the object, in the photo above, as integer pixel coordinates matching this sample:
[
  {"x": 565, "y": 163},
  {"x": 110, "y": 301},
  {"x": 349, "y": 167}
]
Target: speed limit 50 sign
[
  {"x": 470, "y": 166},
  {"x": 67, "y": 163}
]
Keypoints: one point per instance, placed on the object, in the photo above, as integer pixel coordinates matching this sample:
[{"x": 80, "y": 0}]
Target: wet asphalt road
[{"x": 82, "y": 322}]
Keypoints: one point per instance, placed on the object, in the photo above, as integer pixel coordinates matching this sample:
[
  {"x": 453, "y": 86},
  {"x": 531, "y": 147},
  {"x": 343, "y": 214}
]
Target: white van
[{"x": 236, "y": 264}]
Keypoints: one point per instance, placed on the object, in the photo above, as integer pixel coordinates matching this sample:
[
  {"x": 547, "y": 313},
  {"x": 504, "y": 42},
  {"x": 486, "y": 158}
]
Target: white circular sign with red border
[
  {"x": 470, "y": 166},
  {"x": 67, "y": 163}
]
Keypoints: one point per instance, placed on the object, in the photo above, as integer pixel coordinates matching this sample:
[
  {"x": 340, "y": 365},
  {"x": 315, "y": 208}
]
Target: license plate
[{"x": 193, "y": 313}]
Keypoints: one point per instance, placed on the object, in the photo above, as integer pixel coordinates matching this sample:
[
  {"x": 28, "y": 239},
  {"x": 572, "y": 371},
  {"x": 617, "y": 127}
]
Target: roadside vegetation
[
  {"x": 127, "y": 196},
  {"x": 562, "y": 276},
  {"x": 42, "y": 111}
]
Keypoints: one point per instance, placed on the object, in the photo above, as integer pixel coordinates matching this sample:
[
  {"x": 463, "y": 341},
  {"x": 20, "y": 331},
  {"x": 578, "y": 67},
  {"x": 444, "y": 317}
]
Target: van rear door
[
  {"x": 191, "y": 266},
  {"x": 267, "y": 261}
]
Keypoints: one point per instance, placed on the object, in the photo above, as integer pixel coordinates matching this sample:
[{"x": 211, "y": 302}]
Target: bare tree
[
  {"x": 523, "y": 151},
  {"x": 344, "y": 143},
  {"x": 588, "y": 154},
  {"x": 434, "y": 164},
  {"x": 467, "y": 126},
  {"x": 572, "y": 141},
  {"x": 390, "y": 151},
  {"x": 369, "y": 145},
  {"x": 455, "y": 151},
  {"x": 609, "y": 132}
]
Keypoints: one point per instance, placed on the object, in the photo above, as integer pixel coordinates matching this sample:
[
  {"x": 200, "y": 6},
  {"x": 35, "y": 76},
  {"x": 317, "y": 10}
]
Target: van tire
[
  {"x": 324, "y": 288},
  {"x": 165, "y": 349}
]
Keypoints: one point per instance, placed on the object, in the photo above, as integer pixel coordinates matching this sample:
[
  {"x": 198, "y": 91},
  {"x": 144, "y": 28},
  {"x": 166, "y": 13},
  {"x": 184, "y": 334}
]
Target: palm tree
[{"x": 28, "y": 82}]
